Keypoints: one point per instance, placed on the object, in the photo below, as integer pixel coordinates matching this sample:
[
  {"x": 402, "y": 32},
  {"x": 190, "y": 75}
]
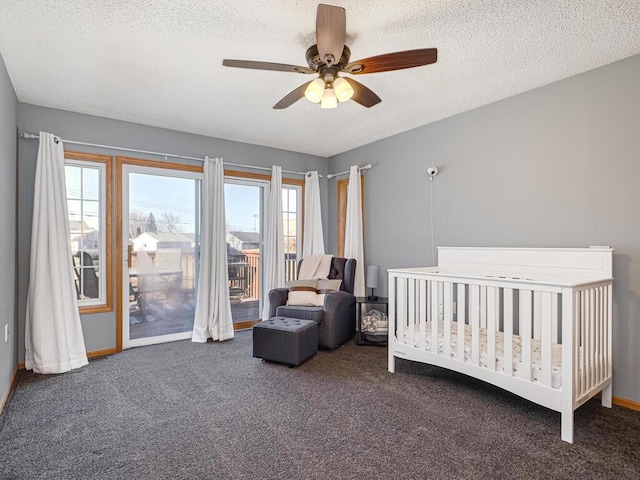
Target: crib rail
[
  {"x": 592, "y": 339},
  {"x": 539, "y": 333}
]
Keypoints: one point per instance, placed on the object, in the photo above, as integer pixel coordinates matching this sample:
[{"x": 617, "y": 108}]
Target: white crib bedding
[{"x": 536, "y": 367}]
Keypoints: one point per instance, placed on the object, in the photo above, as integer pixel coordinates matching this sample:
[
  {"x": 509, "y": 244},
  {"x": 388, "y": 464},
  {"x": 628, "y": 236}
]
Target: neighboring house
[
  {"x": 82, "y": 236},
  {"x": 243, "y": 240},
  {"x": 192, "y": 237},
  {"x": 150, "y": 242}
]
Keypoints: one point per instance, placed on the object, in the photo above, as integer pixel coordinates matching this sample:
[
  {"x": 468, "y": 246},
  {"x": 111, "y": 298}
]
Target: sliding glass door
[
  {"x": 161, "y": 239},
  {"x": 244, "y": 204},
  {"x": 159, "y": 220}
]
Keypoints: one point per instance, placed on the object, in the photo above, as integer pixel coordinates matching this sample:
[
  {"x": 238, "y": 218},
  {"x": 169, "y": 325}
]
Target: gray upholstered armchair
[{"x": 337, "y": 317}]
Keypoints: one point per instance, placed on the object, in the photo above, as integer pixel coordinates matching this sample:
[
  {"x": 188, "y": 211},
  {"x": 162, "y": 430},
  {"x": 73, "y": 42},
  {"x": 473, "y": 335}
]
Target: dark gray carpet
[{"x": 190, "y": 411}]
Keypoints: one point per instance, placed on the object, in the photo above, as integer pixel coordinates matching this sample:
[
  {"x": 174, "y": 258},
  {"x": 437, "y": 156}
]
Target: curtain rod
[
  {"x": 31, "y": 136},
  {"x": 364, "y": 167}
]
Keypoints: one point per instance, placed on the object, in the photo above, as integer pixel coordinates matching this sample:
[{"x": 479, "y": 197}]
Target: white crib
[{"x": 534, "y": 321}]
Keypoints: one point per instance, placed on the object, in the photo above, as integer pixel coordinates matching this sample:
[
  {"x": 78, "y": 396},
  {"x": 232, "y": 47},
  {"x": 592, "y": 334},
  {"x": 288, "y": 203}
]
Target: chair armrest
[
  {"x": 277, "y": 297},
  {"x": 335, "y": 300},
  {"x": 339, "y": 320}
]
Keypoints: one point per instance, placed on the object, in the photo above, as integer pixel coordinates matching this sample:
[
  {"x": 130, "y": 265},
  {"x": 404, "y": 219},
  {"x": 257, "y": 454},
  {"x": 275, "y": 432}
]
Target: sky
[{"x": 159, "y": 194}]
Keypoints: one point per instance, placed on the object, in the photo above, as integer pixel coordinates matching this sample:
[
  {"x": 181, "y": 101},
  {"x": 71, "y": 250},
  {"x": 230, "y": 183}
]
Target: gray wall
[
  {"x": 556, "y": 166},
  {"x": 8, "y": 144},
  {"x": 99, "y": 329}
]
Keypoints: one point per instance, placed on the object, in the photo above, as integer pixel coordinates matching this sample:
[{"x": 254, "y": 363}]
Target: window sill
[{"x": 95, "y": 309}]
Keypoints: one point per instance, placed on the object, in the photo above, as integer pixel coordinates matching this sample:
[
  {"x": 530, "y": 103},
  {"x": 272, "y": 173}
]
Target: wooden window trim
[
  {"x": 108, "y": 252},
  {"x": 342, "y": 210}
]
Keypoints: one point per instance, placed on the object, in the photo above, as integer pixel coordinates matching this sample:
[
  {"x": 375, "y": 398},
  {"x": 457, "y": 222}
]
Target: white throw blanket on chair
[{"x": 315, "y": 266}]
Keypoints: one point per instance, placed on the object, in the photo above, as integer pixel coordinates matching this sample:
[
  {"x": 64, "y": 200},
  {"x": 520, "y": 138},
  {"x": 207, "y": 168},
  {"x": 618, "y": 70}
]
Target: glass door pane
[
  {"x": 291, "y": 202},
  {"x": 161, "y": 228},
  {"x": 244, "y": 201}
]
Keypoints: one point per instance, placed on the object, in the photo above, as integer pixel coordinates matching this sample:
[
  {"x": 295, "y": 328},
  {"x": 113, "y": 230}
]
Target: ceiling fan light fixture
[
  {"x": 315, "y": 91},
  {"x": 343, "y": 90},
  {"x": 329, "y": 99}
]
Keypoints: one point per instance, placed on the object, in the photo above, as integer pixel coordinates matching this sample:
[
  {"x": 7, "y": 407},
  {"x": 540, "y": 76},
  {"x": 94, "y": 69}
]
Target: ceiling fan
[{"x": 329, "y": 57}]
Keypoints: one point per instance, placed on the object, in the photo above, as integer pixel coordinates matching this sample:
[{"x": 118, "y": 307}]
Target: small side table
[{"x": 365, "y": 338}]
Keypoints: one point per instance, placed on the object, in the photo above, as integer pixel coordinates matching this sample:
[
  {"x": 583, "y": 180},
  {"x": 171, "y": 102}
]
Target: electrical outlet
[{"x": 6, "y": 332}]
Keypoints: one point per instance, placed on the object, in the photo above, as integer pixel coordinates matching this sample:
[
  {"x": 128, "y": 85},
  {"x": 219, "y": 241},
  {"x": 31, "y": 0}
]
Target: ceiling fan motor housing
[{"x": 315, "y": 62}]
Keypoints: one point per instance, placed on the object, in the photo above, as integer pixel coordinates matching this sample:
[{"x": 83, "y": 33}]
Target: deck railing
[{"x": 247, "y": 280}]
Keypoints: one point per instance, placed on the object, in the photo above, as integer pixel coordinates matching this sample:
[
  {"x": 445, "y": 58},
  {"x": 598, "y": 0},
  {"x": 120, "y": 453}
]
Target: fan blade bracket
[{"x": 353, "y": 68}]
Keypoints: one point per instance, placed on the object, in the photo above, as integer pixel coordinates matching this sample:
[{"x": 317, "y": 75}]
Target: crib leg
[
  {"x": 392, "y": 362},
  {"x": 567, "y": 426},
  {"x": 607, "y": 396}
]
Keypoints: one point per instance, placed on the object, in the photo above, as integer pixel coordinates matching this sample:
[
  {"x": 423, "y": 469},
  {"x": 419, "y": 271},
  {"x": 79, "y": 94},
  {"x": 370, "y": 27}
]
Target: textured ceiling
[{"x": 159, "y": 62}]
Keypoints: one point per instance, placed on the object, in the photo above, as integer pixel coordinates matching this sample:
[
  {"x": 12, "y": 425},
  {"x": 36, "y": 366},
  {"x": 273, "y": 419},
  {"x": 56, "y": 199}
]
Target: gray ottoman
[{"x": 285, "y": 340}]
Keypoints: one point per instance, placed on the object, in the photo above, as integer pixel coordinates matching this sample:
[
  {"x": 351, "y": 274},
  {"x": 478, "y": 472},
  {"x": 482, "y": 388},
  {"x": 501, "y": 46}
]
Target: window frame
[
  {"x": 342, "y": 187},
  {"x": 299, "y": 189},
  {"x": 105, "y": 204},
  {"x": 286, "y": 182}
]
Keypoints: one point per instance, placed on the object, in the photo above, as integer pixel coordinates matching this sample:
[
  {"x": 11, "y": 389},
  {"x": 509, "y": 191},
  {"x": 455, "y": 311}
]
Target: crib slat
[
  {"x": 577, "y": 360},
  {"x": 423, "y": 314},
  {"x": 401, "y": 312},
  {"x": 605, "y": 323},
  {"x": 588, "y": 348},
  {"x": 434, "y": 316},
  {"x": 448, "y": 316},
  {"x": 602, "y": 291},
  {"x": 507, "y": 363},
  {"x": 474, "y": 312},
  {"x": 545, "y": 338},
  {"x": 592, "y": 343},
  {"x": 595, "y": 320},
  {"x": 483, "y": 306},
  {"x": 585, "y": 345},
  {"x": 536, "y": 314},
  {"x": 583, "y": 342},
  {"x": 609, "y": 330},
  {"x": 462, "y": 314},
  {"x": 411, "y": 313},
  {"x": 554, "y": 318},
  {"x": 492, "y": 321},
  {"x": 525, "y": 333},
  {"x": 598, "y": 365}
]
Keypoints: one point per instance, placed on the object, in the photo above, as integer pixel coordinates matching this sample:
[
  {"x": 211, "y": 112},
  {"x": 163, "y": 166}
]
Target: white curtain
[
  {"x": 312, "y": 232},
  {"x": 53, "y": 333},
  {"x": 213, "y": 307},
  {"x": 353, "y": 237},
  {"x": 273, "y": 261}
]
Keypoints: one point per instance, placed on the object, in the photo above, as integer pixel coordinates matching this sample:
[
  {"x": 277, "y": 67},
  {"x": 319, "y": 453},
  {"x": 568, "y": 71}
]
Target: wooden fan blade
[
  {"x": 278, "y": 67},
  {"x": 331, "y": 31},
  {"x": 363, "y": 95},
  {"x": 393, "y": 61},
  {"x": 292, "y": 98}
]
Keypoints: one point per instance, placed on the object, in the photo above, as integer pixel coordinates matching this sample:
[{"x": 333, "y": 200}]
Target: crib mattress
[{"x": 536, "y": 366}]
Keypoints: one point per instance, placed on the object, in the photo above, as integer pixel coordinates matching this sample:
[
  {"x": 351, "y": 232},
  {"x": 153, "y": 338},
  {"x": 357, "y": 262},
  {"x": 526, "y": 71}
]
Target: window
[
  {"x": 291, "y": 203},
  {"x": 246, "y": 197},
  {"x": 343, "y": 186},
  {"x": 88, "y": 182}
]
